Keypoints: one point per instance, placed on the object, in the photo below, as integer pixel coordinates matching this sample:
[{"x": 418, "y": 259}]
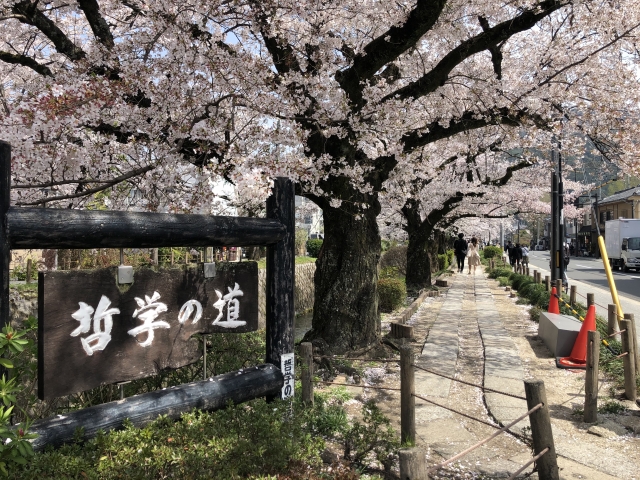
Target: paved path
[{"x": 454, "y": 348}]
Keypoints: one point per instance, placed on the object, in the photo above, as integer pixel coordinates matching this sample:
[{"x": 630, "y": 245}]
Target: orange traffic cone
[
  {"x": 578, "y": 357},
  {"x": 553, "y": 302}
]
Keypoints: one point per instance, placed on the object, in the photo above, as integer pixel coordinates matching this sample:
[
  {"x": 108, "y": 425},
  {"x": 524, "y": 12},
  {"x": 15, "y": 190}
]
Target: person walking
[
  {"x": 460, "y": 248},
  {"x": 525, "y": 256},
  {"x": 474, "y": 256},
  {"x": 512, "y": 254},
  {"x": 517, "y": 256}
]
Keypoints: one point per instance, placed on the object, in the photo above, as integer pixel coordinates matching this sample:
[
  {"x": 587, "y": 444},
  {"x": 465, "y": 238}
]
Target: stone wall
[
  {"x": 23, "y": 304},
  {"x": 303, "y": 292}
]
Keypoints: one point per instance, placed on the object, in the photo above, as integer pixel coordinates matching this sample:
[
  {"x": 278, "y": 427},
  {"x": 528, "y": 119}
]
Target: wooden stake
[
  {"x": 541, "y": 432},
  {"x": 628, "y": 361},
  {"x": 413, "y": 465},
  {"x": 407, "y": 399},
  {"x": 306, "y": 373},
  {"x": 612, "y": 320},
  {"x": 547, "y": 283},
  {"x": 558, "y": 286},
  {"x": 29, "y": 268},
  {"x": 5, "y": 251},
  {"x": 591, "y": 378},
  {"x": 590, "y": 299},
  {"x": 573, "y": 295},
  {"x": 281, "y": 273},
  {"x": 634, "y": 339}
]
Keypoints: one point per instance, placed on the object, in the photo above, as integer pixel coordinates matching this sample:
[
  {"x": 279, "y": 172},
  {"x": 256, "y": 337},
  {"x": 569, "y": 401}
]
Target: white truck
[{"x": 622, "y": 239}]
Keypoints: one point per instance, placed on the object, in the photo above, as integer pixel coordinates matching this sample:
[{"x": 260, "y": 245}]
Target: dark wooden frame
[{"x": 57, "y": 228}]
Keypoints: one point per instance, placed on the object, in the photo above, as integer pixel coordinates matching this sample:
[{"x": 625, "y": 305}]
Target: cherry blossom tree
[{"x": 340, "y": 95}]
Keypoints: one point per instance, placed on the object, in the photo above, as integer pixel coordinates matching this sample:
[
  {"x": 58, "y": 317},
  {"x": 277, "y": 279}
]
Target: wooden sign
[{"x": 92, "y": 331}]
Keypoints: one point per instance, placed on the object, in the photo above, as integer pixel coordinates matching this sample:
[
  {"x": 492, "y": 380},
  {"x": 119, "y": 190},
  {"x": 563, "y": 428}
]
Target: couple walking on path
[{"x": 464, "y": 250}]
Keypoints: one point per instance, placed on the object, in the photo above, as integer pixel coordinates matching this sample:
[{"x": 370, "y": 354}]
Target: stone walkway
[{"x": 468, "y": 309}]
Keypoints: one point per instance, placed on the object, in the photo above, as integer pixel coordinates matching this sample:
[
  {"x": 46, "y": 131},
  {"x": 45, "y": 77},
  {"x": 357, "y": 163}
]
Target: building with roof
[{"x": 623, "y": 204}]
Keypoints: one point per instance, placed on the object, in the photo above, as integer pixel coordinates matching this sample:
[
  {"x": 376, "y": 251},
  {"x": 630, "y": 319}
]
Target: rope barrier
[
  {"x": 524, "y": 467},
  {"x": 616, "y": 333},
  {"x": 334, "y": 357},
  {"x": 601, "y": 306},
  {"x": 354, "y": 385},
  {"x": 482, "y": 442},
  {"x": 616, "y": 357},
  {"x": 470, "y": 384},
  {"x": 570, "y": 307},
  {"x": 456, "y": 411}
]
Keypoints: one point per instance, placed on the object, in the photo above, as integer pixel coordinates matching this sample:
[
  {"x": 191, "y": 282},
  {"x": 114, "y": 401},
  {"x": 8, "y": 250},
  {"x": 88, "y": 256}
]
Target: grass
[
  {"x": 262, "y": 263},
  {"x": 28, "y": 287}
]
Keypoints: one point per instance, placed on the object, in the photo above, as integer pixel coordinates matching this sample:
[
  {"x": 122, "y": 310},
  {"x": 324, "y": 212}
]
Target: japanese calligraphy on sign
[
  {"x": 286, "y": 365},
  {"x": 91, "y": 333}
]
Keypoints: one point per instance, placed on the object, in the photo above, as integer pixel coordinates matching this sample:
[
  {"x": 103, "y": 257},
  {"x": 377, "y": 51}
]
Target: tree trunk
[
  {"x": 345, "y": 312},
  {"x": 418, "y": 261}
]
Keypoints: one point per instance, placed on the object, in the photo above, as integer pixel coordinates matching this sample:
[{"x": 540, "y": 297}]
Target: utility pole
[
  {"x": 553, "y": 246},
  {"x": 557, "y": 219},
  {"x": 561, "y": 264}
]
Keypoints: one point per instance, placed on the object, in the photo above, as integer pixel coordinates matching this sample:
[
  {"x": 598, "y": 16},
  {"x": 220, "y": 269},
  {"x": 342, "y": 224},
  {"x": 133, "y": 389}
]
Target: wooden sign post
[{"x": 93, "y": 333}]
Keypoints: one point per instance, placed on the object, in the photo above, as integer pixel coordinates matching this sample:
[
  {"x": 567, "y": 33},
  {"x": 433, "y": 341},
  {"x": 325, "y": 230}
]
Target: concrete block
[{"x": 558, "y": 332}]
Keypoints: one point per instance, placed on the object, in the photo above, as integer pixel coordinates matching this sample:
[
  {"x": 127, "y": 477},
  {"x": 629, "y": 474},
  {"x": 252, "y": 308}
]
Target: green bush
[
  {"x": 443, "y": 262},
  {"x": 374, "y": 436},
  {"x": 395, "y": 257},
  {"x": 519, "y": 281},
  {"x": 534, "y": 314},
  {"x": 503, "y": 281},
  {"x": 302, "y": 236},
  {"x": 392, "y": 293},
  {"x": 492, "y": 252},
  {"x": 450, "y": 253},
  {"x": 16, "y": 349},
  {"x": 389, "y": 272},
  {"x": 500, "y": 272},
  {"x": 19, "y": 273},
  {"x": 256, "y": 440},
  {"x": 313, "y": 247}
]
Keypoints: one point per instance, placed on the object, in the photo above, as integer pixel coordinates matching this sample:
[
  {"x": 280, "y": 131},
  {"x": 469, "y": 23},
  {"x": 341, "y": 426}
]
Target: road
[{"x": 591, "y": 271}]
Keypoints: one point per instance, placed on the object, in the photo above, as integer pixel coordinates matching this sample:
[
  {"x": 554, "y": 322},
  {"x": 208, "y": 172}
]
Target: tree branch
[
  {"x": 465, "y": 122},
  {"x": 387, "y": 47},
  {"x": 30, "y": 15},
  {"x": 488, "y": 39},
  {"x": 282, "y": 54},
  {"x": 91, "y": 191},
  {"x": 98, "y": 24},
  {"x": 25, "y": 62}
]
